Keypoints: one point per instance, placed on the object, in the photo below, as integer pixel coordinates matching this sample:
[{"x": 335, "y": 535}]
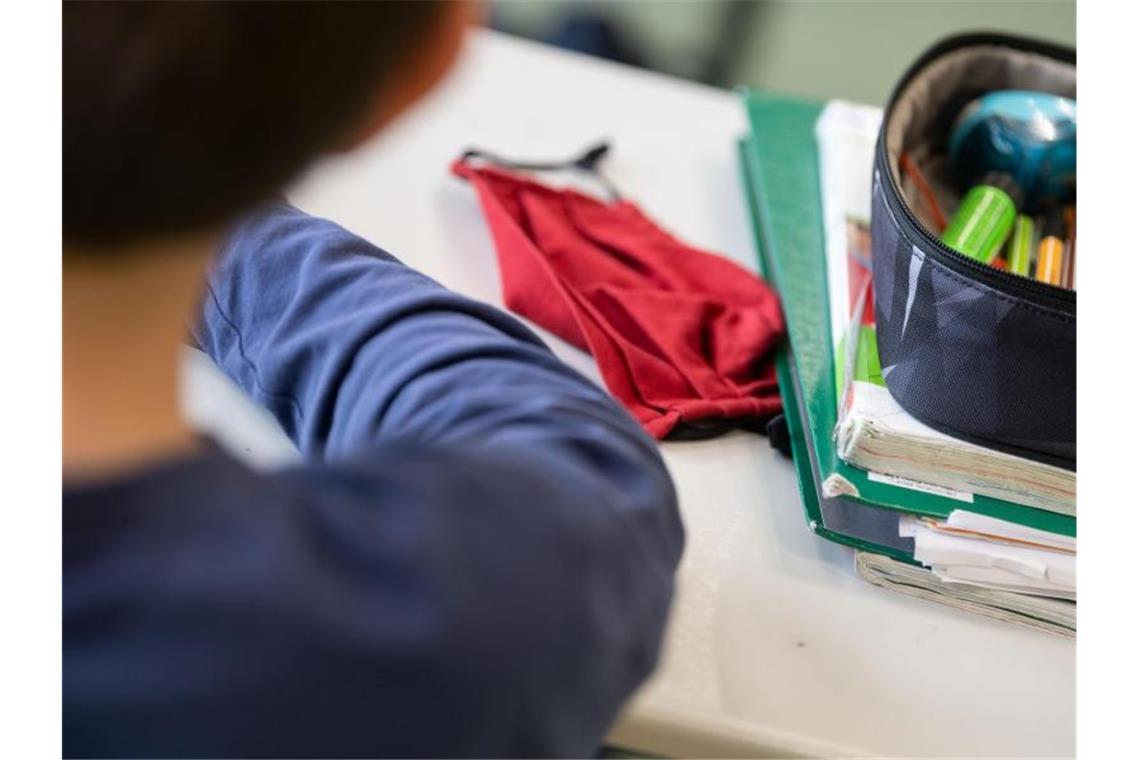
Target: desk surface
[{"x": 774, "y": 646}]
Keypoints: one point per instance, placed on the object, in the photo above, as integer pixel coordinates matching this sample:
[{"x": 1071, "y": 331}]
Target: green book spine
[{"x": 806, "y": 476}]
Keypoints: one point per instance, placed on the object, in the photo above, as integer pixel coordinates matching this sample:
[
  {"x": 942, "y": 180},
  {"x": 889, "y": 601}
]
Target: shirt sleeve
[{"x": 536, "y": 516}]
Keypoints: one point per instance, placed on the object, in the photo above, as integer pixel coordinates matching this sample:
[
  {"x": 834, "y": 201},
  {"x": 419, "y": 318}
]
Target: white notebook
[{"x": 1051, "y": 615}]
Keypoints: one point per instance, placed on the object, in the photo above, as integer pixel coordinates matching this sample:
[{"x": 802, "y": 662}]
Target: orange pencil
[
  {"x": 1069, "y": 274},
  {"x": 1051, "y": 251}
]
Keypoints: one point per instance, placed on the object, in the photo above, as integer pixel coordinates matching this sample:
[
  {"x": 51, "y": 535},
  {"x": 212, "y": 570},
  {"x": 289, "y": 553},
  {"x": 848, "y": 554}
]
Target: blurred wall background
[{"x": 816, "y": 48}]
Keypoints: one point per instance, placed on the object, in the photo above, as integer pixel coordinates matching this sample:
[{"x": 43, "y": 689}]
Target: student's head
[{"x": 177, "y": 116}]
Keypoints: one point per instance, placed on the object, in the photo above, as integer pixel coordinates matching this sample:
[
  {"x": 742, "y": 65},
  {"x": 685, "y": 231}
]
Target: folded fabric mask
[{"x": 684, "y": 339}]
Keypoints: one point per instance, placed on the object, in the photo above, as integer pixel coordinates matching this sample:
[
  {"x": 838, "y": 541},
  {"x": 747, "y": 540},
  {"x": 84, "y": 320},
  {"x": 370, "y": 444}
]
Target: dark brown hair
[{"x": 179, "y": 115}]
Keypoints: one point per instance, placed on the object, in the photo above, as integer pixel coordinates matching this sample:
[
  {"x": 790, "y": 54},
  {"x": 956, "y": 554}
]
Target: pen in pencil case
[
  {"x": 1051, "y": 250},
  {"x": 1020, "y": 252},
  {"x": 984, "y": 220},
  {"x": 1069, "y": 271}
]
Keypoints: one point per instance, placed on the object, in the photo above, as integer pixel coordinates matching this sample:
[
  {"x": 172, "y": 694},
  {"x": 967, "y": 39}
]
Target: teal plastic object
[{"x": 1031, "y": 136}]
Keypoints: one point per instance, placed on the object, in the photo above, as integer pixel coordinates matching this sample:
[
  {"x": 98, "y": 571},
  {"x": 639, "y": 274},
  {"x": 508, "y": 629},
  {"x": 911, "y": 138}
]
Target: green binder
[
  {"x": 867, "y": 528},
  {"x": 781, "y": 178}
]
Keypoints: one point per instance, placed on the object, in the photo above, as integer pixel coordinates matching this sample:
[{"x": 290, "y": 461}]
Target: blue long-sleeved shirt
[{"x": 476, "y": 559}]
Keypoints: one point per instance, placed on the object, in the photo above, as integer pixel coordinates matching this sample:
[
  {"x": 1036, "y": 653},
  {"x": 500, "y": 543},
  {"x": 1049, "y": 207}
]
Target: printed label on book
[{"x": 918, "y": 485}]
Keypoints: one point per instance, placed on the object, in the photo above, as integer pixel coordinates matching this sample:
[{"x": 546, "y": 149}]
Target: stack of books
[{"x": 928, "y": 515}]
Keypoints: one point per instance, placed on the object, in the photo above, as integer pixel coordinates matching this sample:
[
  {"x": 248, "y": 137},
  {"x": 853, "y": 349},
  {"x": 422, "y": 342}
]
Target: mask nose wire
[{"x": 587, "y": 162}]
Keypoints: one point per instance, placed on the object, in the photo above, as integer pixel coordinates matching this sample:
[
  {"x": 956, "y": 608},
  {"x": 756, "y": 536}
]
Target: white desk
[{"x": 775, "y": 647}]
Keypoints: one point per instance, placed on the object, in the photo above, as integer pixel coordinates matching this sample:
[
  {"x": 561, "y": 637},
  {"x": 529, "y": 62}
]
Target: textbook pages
[
  {"x": 873, "y": 431},
  {"x": 1051, "y": 615}
]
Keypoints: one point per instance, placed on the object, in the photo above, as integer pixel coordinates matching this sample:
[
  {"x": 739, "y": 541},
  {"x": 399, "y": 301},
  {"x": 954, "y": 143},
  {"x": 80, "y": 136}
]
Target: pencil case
[{"x": 973, "y": 351}]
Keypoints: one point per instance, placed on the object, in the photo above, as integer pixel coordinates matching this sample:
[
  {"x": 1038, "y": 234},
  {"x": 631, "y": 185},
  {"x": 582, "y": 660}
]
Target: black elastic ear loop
[{"x": 587, "y": 162}]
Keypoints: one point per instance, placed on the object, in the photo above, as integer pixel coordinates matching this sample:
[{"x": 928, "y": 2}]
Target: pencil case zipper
[{"x": 1033, "y": 291}]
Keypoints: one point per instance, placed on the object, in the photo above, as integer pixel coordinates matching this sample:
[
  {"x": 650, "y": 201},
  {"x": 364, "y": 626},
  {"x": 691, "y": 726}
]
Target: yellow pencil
[{"x": 1051, "y": 252}]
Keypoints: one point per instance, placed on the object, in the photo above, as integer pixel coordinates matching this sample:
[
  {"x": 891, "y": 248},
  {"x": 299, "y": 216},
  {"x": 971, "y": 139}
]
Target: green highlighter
[
  {"x": 1020, "y": 249},
  {"x": 982, "y": 223}
]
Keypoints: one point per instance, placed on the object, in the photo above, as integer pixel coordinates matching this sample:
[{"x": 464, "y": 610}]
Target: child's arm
[{"x": 535, "y": 521}]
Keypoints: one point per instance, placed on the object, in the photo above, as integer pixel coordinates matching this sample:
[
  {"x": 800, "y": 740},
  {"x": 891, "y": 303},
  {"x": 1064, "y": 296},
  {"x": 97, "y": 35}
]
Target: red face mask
[{"x": 684, "y": 339}]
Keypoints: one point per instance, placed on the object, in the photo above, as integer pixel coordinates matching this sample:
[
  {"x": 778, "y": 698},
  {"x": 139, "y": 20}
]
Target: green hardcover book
[
  {"x": 779, "y": 164},
  {"x": 835, "y": 518}
]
